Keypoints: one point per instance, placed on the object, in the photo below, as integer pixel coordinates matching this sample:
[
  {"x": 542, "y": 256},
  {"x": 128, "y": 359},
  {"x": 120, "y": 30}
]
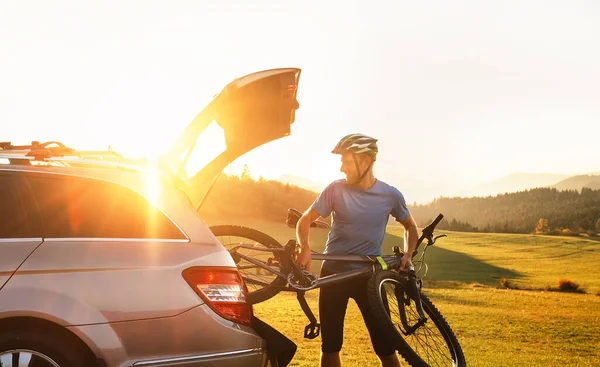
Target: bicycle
[{"x": 271, "y": 268}]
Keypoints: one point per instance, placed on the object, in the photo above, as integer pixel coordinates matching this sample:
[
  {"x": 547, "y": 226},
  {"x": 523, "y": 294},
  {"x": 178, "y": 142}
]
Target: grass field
[{"x": 496, "y": 327}]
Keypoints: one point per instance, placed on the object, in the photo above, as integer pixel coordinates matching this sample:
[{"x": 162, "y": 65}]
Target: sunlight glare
[
  {"x": 209, "y": 145},
  {"x": 152, "y": 184}
]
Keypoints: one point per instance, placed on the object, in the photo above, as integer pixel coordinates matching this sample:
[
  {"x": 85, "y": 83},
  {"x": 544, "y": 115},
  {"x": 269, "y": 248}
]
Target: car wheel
[{"x": 34, "y": 349}]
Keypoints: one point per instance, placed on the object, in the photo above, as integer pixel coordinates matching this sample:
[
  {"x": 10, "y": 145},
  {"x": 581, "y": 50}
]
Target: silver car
[{"x": 104, "y": 261}]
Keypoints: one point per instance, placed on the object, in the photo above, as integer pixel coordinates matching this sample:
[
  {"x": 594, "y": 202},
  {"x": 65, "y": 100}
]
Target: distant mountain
[
  {"x": 302, "y": 182},
  {"x": 578, "y": 182},
  {"x": 517, "y": 212},
  {"x": 516, "y": 182}
]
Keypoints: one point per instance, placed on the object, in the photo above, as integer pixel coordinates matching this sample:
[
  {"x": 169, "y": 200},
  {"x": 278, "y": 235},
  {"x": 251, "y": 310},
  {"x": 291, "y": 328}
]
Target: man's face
[{"x": 349, "y": 167}]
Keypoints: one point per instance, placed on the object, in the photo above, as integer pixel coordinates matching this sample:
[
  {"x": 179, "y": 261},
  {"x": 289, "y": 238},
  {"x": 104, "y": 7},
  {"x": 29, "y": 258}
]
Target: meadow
[{"x": 523, "y": 326}]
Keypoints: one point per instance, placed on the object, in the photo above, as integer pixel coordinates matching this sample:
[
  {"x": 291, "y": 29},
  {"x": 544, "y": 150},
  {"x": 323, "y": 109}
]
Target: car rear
[
  {"x": 136, "y": 293},
  {"x": 169, "y": 297}
]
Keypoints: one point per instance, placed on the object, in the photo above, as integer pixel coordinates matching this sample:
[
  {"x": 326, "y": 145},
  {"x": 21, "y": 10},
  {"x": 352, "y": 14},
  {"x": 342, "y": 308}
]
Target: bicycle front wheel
[
  {"x": 430, "y": 344},
  {"x": 261, "y": 283}
]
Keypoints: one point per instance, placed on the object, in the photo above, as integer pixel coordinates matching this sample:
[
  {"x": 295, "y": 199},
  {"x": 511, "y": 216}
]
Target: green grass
[
  {"x": 528, "y": 261},
  {"x": 496, "y": 327}
]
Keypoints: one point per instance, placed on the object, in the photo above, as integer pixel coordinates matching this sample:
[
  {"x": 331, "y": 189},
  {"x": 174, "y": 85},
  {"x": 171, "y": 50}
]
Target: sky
[{"x": 458, "y": 93}]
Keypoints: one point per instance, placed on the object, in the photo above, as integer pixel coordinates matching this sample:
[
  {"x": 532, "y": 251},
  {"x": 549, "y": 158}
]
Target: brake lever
[{"x": 435, "y": 238}]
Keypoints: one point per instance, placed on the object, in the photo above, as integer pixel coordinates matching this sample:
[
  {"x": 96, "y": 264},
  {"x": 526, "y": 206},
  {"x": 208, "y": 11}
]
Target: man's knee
[
  {"x": 385, "y": 351},
  {"x": 331, "y": 346},
  {"x": 330, "y": 359}
]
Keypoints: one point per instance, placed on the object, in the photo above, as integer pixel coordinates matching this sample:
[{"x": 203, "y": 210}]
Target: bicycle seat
[{"x": 294, "y": 215}]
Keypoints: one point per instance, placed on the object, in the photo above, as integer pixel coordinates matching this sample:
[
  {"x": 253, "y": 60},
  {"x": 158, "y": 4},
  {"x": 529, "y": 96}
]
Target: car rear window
[
  {"x": 14, "y": 222},
  {"x": 74, "y": 207}
]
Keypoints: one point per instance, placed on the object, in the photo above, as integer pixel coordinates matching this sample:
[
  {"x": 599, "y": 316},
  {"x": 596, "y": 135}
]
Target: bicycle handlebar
[{"x": 428, "y": 231}]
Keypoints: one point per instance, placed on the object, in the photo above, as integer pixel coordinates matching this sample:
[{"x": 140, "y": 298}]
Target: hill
[
  {"x": 515, "y": 182},
  {"x": 567, "y": 212},
  {"x": 578, "y": 182},
  {"x": 518, "y": 212},
  {"x": 302, "y": 182},
  {"x": 232, "y": 198}
]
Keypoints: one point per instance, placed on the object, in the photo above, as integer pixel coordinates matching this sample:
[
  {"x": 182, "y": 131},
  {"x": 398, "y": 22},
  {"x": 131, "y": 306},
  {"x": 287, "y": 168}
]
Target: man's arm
[
  {"x": 302, "y": 232},
  {"x": 411, "y": 236}
]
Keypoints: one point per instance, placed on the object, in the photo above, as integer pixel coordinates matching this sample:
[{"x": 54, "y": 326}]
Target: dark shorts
[{"x": 333, "y": 301}]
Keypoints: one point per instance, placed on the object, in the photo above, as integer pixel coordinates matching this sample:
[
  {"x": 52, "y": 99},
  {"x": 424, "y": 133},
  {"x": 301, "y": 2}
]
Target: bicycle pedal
[{"x": 311, "y": 331}]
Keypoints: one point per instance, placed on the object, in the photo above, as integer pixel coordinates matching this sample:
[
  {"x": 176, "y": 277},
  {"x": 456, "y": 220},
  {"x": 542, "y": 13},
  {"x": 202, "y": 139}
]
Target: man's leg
[
  {"x": 332, "y": 310},
  {"x": 385, "y": 350},
  {"x": 389, "y": 361},
  {"x": 331, "y": 360}
]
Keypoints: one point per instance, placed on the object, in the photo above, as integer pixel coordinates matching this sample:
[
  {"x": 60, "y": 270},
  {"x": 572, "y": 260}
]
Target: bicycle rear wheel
[
  {"x": 432, "y": 344},
  {"x": 261, "y": 283}
]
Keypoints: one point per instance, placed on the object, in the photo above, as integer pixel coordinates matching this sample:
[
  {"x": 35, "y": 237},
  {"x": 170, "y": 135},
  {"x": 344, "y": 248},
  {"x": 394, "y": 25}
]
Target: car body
[{"x": 107, "y": 263}]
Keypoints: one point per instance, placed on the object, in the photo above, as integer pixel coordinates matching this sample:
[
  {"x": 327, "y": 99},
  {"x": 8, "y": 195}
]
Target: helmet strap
[{"x": 362, "y": 176}]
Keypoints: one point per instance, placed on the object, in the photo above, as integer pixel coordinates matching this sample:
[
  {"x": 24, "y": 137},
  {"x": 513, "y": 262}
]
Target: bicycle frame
[
  {"x": 391, "y": 261},
  {"x": 312, "y": 330},
  {"x": 306, "y": 281}
]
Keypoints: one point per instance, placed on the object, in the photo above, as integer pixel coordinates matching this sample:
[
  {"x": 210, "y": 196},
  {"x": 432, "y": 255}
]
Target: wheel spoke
[
  {"x": 254, "y": 276},
  {"x": 258, "y": 280},
  {"x": 6, "y": 360},
  {"x": 25, "y": 358},
  {"x": 431, "y": 341},
  {"x": 427, "y": 341}
]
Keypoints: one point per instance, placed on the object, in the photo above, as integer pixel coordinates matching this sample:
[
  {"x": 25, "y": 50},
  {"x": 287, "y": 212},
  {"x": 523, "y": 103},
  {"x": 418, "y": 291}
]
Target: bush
[
  {"x": 569, "y": 232},
  {"x": 506, "y": 284},
  {"x": 566, "y": 285}
]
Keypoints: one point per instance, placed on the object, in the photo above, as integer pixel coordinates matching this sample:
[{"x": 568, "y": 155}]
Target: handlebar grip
[
  {"x": 428, "y": 231},
  {"x": 437, "y": 221}
]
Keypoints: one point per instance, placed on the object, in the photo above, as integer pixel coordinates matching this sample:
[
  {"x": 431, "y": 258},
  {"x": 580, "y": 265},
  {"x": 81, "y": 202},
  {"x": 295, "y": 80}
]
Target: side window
[
  {"x": 14, "y": 222},
  {"x": 73, "y": 207}
]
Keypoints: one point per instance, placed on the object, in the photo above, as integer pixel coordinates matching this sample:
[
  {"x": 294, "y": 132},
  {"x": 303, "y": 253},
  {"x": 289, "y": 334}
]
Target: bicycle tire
[
  {"x": 411, "y": 347},
  {"x": 256, "y": 293}
]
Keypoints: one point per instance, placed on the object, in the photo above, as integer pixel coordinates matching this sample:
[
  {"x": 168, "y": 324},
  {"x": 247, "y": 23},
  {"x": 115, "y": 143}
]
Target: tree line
[
  {"x": 235, "y": 197},
  {"x": 566, "y": 212},
  {"x": 541, "y": 210}
]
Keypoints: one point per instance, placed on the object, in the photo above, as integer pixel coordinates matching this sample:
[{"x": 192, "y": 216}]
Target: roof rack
[{"x": 54, "y": 151}]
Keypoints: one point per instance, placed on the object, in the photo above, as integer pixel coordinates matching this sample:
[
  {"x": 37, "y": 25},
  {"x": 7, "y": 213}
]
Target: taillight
[{"x": 223, "y": 290}]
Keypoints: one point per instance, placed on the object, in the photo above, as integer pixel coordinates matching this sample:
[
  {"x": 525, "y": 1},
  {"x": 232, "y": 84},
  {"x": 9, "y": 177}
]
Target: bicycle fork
[{"x": 404, "y": 297}]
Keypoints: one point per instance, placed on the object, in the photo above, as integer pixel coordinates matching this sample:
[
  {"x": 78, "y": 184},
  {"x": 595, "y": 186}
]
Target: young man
[{"x": 361, "y": 206}]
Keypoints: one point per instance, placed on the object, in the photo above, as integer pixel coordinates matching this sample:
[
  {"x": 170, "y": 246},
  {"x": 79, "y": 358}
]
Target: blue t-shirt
[{"x": 359, "y": 219}]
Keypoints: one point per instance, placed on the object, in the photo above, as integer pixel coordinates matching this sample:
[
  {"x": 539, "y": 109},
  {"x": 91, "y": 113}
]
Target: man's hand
[
  {"x": 302, "y": 232},
  {"x": 405, "y": 262},
  {"x": 411, "y": 236},
  {"x": 304, "y": 258}
]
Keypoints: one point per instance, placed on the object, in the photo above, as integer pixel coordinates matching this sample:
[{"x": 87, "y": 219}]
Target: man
[{"x": 361, "y": 206}]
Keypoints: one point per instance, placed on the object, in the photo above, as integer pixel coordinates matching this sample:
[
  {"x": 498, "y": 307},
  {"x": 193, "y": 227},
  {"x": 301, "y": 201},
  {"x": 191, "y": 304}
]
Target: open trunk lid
[{"x": 252, "y": 110}]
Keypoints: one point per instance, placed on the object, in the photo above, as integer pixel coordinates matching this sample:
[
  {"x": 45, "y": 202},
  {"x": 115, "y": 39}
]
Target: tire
[
  {"x": 415, "y": 348},
  {"x": 41, "y": 350},
  {"x": 262, "y": 285}
]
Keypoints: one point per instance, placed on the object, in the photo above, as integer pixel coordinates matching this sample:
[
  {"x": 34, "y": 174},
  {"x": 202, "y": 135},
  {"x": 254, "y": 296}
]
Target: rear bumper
[
  {"x": 249, "y": 357},
  {"x": 197, "y": 337}
]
